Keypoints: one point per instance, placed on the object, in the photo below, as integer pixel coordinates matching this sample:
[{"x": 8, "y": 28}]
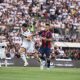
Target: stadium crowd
[{"x": 64, "y": 15}]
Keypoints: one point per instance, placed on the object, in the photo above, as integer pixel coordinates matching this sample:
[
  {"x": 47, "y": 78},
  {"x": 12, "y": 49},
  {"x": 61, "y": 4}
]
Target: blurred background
[{"x": 63, "y": 16}]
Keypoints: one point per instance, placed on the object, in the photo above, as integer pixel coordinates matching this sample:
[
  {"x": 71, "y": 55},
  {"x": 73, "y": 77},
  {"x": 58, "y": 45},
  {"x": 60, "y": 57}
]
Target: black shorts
[{"x": 46, "y": 51}]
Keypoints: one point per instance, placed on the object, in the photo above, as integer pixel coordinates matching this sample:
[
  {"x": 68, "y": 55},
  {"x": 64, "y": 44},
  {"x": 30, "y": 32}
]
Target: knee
[
  {"x": 21, "y": 50},
  {"x": 42, "y": 57},
  {"x": 48, "y": 59}
]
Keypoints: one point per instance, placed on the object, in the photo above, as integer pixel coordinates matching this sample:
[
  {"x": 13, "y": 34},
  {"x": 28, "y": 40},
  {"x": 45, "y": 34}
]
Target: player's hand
[
  {"x": 29, "y": 38},
  {"x": 43, "y": 38},
  {"x": 48, "y": 39}
]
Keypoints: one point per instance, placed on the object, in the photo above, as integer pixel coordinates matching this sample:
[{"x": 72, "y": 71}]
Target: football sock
[
  {"x": 0, "y": 63},
  {"x": 24, "y": 57},
  {"x": 5, "y": 63},
  {"x": 48, "y": 63}
]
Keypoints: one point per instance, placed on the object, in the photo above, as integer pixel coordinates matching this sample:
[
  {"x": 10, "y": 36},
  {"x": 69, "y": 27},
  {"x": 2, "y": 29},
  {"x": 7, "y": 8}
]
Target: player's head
[
  {"x": 47, "y": 27},
  {"x": 24, "y": 26}
]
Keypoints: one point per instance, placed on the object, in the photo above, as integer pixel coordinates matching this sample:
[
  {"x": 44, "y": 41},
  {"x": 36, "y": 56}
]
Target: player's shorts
[
  {"x": 46, "y": 51},
  {"x": 29, "y": 46},
  {"x": 2, "y": 53}
]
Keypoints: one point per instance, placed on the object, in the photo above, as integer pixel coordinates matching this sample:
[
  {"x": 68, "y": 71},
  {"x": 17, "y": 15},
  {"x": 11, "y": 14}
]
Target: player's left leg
[
  {"x": 23, "y": 56},
  {"x": 4, "y": 58},
  {"x": 48, "y": 52},
  {"x": 0, "y": 62},
  {"x": 5, "y": 61}
]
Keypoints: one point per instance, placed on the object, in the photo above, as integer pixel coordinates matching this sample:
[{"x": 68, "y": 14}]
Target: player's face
[
  {"x": 24, "y": 29},
  {"x": 47, "y": 28}
]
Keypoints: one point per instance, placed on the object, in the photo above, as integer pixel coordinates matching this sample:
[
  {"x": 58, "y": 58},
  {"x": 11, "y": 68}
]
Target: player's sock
[
  {"x": 42, "y": 65},
  {"x": 12, "y": 55},
  {"x": 48, "y": 63},
  {"x": 43, "y": 62},
  {"x": 0, "y": 63},
  {"x": 5, "y": 63},
  {"x": 24, "y": 59}
]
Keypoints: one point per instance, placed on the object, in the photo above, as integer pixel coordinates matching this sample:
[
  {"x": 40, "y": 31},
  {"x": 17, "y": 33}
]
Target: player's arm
[
  {"x": 43, "y": 38},
  {"x": 24, "y": 36},
  {"x": 50, "y": 39},
  {"x": 29, "y": 37},
  {"x": 47, "y": 39}
]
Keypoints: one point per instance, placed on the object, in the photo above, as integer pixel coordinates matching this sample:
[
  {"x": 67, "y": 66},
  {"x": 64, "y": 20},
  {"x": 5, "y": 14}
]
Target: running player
[
  {"x": 45, "y": 48},
  {"x": 27, "y": 44},
  {"x": 3, "y": 45}
]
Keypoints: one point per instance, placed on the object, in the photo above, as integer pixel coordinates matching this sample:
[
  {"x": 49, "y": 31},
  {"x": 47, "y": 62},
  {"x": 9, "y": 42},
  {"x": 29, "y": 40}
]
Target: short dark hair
[
  {"x": 24, "y": 25},
  {"x": 47, "y": 24}
]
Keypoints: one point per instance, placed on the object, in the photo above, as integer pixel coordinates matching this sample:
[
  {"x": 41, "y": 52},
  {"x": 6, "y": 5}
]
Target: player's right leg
[
  {"x": 23, "y": 55},
  {"x": 48, "y": 57},
  {"x": 5, "y": 61},
  {"x": 41, "y": 55}
]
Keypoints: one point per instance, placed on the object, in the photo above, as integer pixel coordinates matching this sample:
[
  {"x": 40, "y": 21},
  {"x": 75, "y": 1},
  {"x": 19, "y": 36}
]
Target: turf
[{"x": 29, "y": 73}]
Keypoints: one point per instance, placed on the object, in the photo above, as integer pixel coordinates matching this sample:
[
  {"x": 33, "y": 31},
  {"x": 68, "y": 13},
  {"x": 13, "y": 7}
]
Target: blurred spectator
[{"x": 62, "y": 15}]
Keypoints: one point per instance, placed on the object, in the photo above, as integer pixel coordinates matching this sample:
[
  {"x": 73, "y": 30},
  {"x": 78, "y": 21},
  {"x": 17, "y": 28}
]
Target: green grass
[{"x": 29, "y": 73}]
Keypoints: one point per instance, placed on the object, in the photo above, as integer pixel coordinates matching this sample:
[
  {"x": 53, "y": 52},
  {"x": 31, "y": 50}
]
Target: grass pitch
[{"x": 30, "y": 73}]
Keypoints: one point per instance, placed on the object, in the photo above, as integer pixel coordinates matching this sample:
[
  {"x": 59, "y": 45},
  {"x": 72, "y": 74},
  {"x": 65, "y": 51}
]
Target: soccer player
[
  {"x": 45, "y": 48},
  {"x": 3, "y": 45},
  {"x": 27, "y": 44}
]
